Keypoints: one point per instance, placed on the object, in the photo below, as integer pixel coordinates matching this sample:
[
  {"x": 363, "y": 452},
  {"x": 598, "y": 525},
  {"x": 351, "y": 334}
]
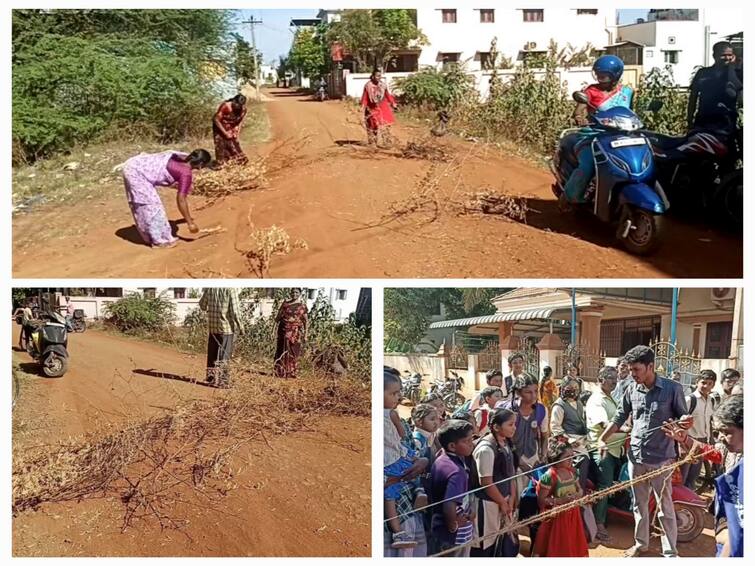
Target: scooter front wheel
[
  {"x": 639, "y": 230},
  {"x": 54, "y": 365}
]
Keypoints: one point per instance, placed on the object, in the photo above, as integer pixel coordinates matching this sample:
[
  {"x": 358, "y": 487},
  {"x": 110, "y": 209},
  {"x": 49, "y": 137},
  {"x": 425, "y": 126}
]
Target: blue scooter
[{"x": 624, "y": 191}]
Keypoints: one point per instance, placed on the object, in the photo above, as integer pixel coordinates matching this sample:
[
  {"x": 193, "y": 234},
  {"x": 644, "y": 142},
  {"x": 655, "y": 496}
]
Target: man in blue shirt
[{"x": 651, "y": 400}]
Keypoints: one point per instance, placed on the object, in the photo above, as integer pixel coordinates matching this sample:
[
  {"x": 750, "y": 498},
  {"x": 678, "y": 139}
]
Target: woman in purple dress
[{"x": 142, "y": 175}]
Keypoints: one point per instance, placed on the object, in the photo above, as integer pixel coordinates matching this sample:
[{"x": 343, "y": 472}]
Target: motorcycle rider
[
  {"x": 715, "y": 92},
  {"x": 607, "y": 92}
]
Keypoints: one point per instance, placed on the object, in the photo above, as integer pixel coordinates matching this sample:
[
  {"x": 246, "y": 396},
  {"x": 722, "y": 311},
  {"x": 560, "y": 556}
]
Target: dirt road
[
  {"x": 306, "y": 494},
  {"x": 334, "y": 194}
]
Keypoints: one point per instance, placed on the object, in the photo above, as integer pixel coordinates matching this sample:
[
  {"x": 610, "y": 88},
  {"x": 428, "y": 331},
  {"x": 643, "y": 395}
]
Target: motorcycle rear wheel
[
  {"x": 644, "y": 237},
  {"x": 79, "y": 326},
  {"x": 54, "y": 365},
  {"x": 731, "y": 201},
  {"x": 454, "y": 401}
]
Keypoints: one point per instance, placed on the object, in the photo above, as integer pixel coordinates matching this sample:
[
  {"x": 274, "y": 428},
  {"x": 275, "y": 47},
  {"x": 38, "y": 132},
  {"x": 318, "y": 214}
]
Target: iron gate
[{"x": 669, "y": 360}]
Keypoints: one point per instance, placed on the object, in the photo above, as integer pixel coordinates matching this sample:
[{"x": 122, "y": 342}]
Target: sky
[{"x": 274, "y": 33}]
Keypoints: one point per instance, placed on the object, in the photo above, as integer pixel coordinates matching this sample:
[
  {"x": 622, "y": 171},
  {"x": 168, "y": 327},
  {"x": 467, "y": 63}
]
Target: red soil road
[
  {"x": 326, "y": 193},
  {"x": 304, "y": 495}
]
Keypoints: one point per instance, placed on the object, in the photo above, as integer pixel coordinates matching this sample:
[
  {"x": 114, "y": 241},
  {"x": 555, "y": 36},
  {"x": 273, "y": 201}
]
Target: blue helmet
[{"x": 610, "y": 65}]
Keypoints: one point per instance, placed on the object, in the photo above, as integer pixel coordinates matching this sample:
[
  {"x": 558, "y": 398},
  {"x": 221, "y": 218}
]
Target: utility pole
[{"x": 252, "y": 22}]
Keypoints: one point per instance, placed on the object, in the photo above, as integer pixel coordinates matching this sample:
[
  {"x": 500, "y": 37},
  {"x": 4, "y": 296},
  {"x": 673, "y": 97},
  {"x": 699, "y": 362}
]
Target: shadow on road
[
  {"x": 687, "y": 249},
  {"x": 32, "y": 368},
  {"x": 350, "y": 142},
  {"x": 131, "y": 234},
  {"x": 173, "y": 376}
]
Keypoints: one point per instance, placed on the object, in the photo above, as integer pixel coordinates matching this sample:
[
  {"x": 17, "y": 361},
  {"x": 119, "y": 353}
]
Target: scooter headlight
[{"x": 624, "y": 123}]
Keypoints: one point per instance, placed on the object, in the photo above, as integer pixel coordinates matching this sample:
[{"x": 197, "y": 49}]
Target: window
[
  {"x": 671, "y": 57},
  {"x": 587, "y": 12},
  {"x": 404, "y": 63},
  {"x": 618, "y": 336},
  {"x": 179, "y": 292},
  {"x": 149, "y": 292},
  {"x": 718, "y": 340},
  {"x": 341, "y": 294},
  {"x": 485, "y": 60},
  {"x": 311, "y": 294},
  {"x": 487, "y": 16},
  {"x": 532, "y": 15},
  {"x": 449, "y": 60},
  {"x": 449, "y": 16}
]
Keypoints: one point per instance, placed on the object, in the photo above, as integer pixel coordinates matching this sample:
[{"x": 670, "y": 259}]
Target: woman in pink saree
[
  {"x": 378, "y": 103},
  {"x": 142, "y": 175}
]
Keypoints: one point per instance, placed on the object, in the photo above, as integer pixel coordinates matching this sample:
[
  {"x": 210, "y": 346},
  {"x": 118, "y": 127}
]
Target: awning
[{"x": 497, "y": 317}]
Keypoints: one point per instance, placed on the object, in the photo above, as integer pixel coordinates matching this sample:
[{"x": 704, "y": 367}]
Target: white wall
[
  {"x": 690, "y": 40},
  {"x": 94, "y": 306},
  {"x": 355, "y": 82},
  {"x": 470, "y": 36}
]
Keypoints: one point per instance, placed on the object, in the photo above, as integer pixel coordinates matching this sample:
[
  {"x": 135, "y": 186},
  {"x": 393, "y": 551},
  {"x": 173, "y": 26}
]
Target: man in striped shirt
[{"x": 223, "y": 310}]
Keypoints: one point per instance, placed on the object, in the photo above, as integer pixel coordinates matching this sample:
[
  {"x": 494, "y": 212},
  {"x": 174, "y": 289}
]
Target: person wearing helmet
[{"x": 607, "y": 92}]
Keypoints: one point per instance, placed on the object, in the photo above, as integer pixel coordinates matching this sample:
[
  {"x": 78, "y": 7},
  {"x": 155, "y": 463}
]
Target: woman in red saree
[
  {"x": 226, "y": 126},
  {"x": 291, "y": 324},
  {"x": 377, "y": 102}
]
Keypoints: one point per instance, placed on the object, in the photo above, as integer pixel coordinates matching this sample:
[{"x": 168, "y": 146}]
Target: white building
[
  {"x": 343, "y": 300},
  {"x": 683, "y": 40},
  {"x": 465, "y": 33},
  {"x": 269, "y": 74}
]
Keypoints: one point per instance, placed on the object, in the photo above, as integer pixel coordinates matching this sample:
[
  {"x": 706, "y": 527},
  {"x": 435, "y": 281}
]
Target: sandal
[{"x": 634, "y": 551}]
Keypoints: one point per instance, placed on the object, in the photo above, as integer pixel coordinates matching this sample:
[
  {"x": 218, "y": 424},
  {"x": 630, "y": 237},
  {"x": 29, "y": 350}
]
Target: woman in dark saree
[
  {"x": 291, "y": 333},
  {"x": 226, "y": 127}
]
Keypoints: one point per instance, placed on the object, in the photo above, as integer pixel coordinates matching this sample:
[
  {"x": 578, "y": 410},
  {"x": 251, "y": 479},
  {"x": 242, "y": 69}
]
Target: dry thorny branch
[
  {"x": 265, "y": 243},
  {"x": 234, "y": 177},
  {"x": 185, "y": 457}
]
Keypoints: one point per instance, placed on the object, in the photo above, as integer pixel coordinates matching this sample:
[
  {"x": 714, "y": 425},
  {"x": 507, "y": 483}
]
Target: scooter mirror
[{"x": 580, "y": 97}]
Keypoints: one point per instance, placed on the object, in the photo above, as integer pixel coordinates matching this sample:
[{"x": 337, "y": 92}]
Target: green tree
[
  {"x": 83, "y": 74},
  {"x": 371, "y": 36},
  {"x": 245, "y": 60},
  {"x": 309, "y": 52}
]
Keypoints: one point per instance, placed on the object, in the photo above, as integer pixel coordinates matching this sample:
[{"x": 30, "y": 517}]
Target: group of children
[{"x": 454, "y": 483}]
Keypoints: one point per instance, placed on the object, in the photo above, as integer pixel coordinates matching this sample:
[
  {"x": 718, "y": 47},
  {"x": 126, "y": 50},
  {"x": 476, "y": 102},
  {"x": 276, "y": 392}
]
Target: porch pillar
[
  {"x": 550, "y": 346},
  {"x": 737, "y": 337},
  {"x": 443, "y": 360},
  {"x": 473, "y": 367},
  {"x": 589, "y": 329},
  {"x": 507, "y": 344}
]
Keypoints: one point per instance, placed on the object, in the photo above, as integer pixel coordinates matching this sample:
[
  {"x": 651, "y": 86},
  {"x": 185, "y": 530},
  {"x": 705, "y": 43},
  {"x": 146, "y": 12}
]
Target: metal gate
[
  {"x": 490, "y": 357},
  {"x": 527, "y": 346},
  {"x": 670, "y": 360},
  {"x": 458, "y": 357},
  {"x": 588, "y": 363}
]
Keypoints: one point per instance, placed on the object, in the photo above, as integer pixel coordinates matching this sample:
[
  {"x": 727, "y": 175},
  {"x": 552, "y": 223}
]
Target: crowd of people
[{"x": 457, "y": 484}]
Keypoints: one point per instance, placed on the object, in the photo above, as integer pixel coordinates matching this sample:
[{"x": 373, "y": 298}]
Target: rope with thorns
[{"x": 585, "y": 500}]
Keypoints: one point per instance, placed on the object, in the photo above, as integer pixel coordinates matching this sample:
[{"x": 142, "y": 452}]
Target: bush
[
  {"x": 68, "y": 90},
  {"x": 136, "y": 313},
  {"x": 436, "y": 90},
  {"x": 527, "y": 110},
  {"x": 659, "y": 85}
]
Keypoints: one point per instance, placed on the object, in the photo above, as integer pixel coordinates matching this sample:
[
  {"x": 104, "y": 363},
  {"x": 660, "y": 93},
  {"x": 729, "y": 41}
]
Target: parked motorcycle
[
  {"x": 78, "y": 321},
  {"x": 448, "y": 389},
  {"x": 702, "y": 174},
  {"x": 411, "y": 388},
  {"x": 49, "y": 344},
  {"x": 322, "y": 93},
  {"x": 624, "y": 191}
]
